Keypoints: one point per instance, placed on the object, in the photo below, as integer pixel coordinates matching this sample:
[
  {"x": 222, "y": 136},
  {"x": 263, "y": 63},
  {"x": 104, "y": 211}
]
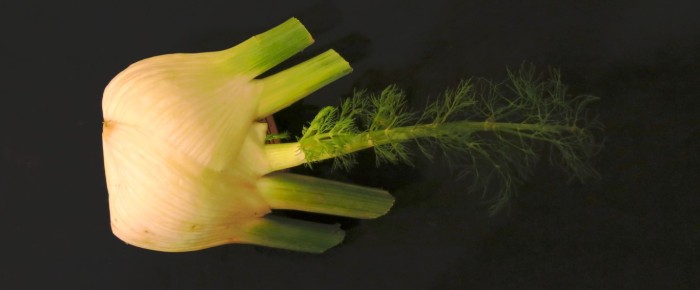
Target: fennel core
[{"x": 187, "y": 167}]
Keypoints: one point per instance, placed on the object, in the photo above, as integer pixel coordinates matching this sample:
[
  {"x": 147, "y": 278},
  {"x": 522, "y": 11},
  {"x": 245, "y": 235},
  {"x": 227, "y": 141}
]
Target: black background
[{"x": 638, "y": 227}]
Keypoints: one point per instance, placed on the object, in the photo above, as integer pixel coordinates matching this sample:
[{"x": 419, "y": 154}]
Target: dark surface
[{"x": 639, "y": 227}]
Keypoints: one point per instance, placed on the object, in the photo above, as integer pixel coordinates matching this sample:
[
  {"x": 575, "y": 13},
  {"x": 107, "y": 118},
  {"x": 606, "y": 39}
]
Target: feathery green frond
[{"x": 494, "y": 132}]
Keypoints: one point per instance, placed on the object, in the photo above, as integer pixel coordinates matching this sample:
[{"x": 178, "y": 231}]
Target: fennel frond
[{"x": 496, "y": 132}]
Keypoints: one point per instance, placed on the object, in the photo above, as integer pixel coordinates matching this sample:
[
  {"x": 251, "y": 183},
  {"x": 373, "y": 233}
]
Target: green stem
[
  {"x": 402, "y": 134},
  {"x": 287, "y": 155},
  {"x": 306, "y": 193},
  {"x": 268, "y": 49},
  {"x": 291, "y": 234},
  {"x": 289, "y": 86}
]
